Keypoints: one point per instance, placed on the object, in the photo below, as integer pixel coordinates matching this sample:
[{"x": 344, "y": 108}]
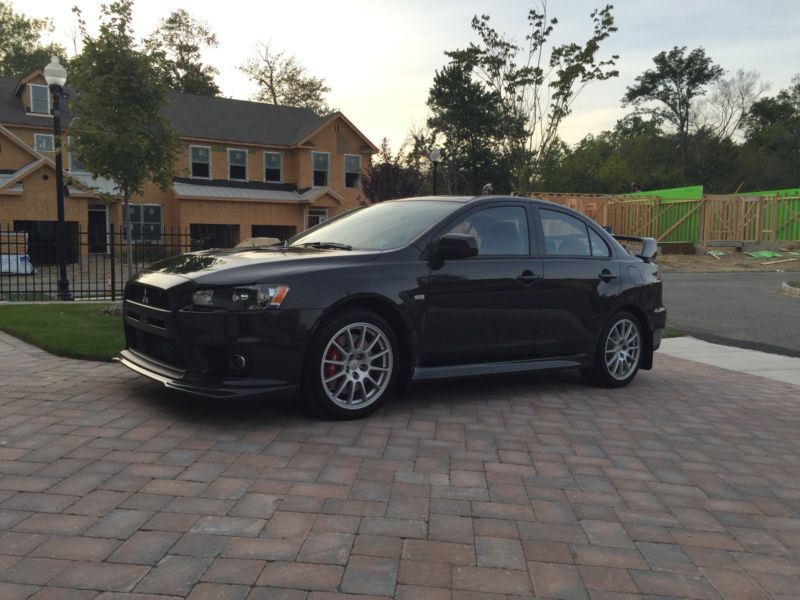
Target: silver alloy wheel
[
  {"x": 356, "y": 366},
  {"x": 623, "y": 348}
]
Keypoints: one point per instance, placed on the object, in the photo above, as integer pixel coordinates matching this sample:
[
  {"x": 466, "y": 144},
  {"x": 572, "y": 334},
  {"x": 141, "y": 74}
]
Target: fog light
[{"x": 237, "y": 362}]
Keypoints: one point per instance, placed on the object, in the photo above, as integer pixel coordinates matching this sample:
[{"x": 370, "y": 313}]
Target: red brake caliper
[{"x": 331, "y": 369}]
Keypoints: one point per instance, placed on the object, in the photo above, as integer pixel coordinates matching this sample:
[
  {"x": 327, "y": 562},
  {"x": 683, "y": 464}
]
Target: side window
[
  {"x": 43, "y": 142},
  {"x": 200, "y": 161},
  {"x": 352, "y": 170},
  {"x": 237, "y": 164},
  {"x": 564, "y": 235},
  {"x": 499, "y": 231},
  {"x": 272, "y": 166},
  {"x": 321, "y": 165},
  {"x": 75, "y": 165},
  {"x": 599, "y": 246}
]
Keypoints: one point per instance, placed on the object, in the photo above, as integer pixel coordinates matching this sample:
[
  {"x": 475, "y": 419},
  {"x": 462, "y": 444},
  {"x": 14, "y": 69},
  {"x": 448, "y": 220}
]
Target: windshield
[{"x": 384, "y": 226}]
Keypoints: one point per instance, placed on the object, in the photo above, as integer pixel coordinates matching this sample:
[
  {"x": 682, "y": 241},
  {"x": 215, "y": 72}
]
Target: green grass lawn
[
  {"x": 73, "y": 330},
  {"x": 671, "y": 332}
]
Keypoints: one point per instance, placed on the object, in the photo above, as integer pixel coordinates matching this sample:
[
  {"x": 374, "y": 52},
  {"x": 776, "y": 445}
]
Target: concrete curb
[
  {"x": 753, "y": 362},
  {"x": 790, "y": 289}
]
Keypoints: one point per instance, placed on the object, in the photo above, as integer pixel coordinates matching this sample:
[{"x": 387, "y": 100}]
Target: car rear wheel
[
  {"x": 619, "y": 352},
  {"x": 352, "y": 365}
]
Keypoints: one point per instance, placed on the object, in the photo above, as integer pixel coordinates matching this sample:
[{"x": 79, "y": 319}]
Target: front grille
[
  {"x": 148, "y": 295},
  {"x": 155, "y": 346}
]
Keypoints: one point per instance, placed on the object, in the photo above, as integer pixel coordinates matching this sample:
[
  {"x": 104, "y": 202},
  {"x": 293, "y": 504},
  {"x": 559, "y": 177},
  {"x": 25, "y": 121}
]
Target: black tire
[
  {"x": 356, "y": 348},
  {"x": 611, "y": 370}
]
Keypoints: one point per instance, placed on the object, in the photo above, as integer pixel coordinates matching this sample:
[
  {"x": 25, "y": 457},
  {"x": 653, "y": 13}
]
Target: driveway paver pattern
[{"x": 685, "y": 484}]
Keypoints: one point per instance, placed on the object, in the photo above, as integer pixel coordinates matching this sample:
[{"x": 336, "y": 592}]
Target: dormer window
[
  {"x": 40, "y": 99},
  {"x": 237, "y": 164},
  {"x": 200, "y": 161}
]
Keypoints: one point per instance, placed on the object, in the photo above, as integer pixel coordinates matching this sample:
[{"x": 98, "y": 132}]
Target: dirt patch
[{"x": 731, "y": 262}]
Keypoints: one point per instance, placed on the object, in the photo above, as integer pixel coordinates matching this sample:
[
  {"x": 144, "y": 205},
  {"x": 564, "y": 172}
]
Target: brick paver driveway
[{"x": 685, "y": 484}]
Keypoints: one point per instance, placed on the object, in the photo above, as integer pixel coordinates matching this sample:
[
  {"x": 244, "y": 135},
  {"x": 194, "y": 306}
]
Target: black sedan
[{"x": 407, "y": 290}]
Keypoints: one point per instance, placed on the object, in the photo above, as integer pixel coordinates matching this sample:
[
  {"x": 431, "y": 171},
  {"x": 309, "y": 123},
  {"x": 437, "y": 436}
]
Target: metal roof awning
[{"x": 190, "y": 191}]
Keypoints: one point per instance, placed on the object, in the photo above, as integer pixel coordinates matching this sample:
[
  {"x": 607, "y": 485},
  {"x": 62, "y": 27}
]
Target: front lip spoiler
[{"x": 175, "y": 379}]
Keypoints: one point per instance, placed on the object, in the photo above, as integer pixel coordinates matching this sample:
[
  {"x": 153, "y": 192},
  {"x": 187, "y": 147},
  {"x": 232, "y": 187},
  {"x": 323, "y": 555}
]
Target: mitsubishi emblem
[{"x": 145, "y": 299}]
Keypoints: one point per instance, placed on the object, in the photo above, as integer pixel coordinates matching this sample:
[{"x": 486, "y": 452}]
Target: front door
[
  {"x": 98, "y": 228},
  {"x": 485, "y": 308}
]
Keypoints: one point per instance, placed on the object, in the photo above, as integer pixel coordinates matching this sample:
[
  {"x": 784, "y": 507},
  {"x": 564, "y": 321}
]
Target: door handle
[
  {"x": 607, "y": 275},
  {"x": 528, "y": 277}
]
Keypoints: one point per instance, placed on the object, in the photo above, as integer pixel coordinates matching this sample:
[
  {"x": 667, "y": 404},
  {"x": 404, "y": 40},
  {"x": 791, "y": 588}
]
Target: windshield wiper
[{"x": 336, "y": 245}]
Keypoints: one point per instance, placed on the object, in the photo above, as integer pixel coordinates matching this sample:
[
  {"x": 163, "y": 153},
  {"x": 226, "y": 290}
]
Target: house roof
[
  {"x": 205, "y": 117},
  {"x": 25, "y": 170}
]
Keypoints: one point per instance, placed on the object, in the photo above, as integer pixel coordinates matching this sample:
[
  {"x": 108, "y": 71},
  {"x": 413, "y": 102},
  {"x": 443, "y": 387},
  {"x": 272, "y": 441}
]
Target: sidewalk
[{"x": 752, "y": 362}]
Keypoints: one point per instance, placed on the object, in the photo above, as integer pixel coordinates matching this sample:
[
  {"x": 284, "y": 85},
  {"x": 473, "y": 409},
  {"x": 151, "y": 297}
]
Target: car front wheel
[
  {"x": 619, "y": 352},
  {"x": 352, "y": 365}
]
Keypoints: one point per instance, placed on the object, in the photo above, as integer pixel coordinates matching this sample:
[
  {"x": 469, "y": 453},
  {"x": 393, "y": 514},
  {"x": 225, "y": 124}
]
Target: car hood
[{"x": 249, "y": 265}]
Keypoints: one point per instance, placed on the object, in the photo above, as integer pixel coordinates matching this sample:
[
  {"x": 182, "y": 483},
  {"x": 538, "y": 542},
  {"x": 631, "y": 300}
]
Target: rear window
[{"x": 564, "y": 235}]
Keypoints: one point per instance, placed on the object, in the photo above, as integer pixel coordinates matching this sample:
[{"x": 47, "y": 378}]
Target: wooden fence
[{"x": 714, "y": 218}]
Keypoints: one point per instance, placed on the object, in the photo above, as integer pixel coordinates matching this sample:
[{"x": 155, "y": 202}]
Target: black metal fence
[{"x": 97, "y": 262}]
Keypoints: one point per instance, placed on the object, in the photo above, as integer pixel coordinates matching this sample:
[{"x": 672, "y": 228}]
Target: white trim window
[
  {"x": 237, "y": 164},
  {"x": 321, "y": 168},
  {"x": 273, "y": 167},
  {"x": 43, "y": 142},
  {"x": 146, "y": 223},
  {"x": 200, "y": 162},
  {"x": 75, "y": 165},
  {"x": 40, "y": 99},
  {"x": 352, "y": 170},
  {"x": 317, "y": 216}
]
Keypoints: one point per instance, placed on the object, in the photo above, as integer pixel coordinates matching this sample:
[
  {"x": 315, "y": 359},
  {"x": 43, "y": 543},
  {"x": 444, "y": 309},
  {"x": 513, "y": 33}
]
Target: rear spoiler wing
[{"x": 649, "y": 246}]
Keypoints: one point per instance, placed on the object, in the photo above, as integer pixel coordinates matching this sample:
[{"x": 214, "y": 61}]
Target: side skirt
[{"x": 493, "y": 368}]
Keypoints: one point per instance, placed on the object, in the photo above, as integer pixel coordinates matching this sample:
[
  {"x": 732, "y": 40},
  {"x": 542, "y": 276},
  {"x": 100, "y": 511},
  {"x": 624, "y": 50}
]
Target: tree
[
  {"x": 21, "y": 50},
  {"x": 770, "y": 156},
  {"x": 282, "y": 80},
  {"x": 537, "y": 85},
  {"x": 471, "y": 120},
  {"x": 729, "y": 103},
  {"x": 178, "y": 41},
  {"x": 713, "y": 162},
  {"x": 117, "y": 131},
  {"x": 678, "y": 78},
  {"x": 390, "y": 177}
]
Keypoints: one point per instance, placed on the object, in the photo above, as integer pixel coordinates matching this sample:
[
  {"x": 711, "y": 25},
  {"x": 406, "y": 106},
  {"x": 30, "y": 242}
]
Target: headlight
[{"x": 248, "y": 297}]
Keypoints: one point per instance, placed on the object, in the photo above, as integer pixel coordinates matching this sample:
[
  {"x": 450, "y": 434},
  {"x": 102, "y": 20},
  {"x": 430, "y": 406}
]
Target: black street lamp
[
  {"x": 436, "y": 157},
  {"x": 56, "y": 76}
]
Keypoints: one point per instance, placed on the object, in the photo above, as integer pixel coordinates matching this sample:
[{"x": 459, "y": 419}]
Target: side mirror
[{"x": 453, "y": 246}]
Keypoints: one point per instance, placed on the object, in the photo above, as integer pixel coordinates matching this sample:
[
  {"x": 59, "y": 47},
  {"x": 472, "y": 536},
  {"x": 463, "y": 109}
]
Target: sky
[{"x": 379, "y": 56}]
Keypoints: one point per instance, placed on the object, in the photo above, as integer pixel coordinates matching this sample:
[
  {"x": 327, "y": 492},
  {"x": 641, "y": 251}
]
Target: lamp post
[
  {"x": 436, "y": 157},
  {"x": 56, "y": 76}
]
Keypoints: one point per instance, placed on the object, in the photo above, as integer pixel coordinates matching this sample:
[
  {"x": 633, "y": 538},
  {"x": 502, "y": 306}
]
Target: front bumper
[
  {"x": 206, "y": 387},
  {"x": 193, "y": 352}
]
